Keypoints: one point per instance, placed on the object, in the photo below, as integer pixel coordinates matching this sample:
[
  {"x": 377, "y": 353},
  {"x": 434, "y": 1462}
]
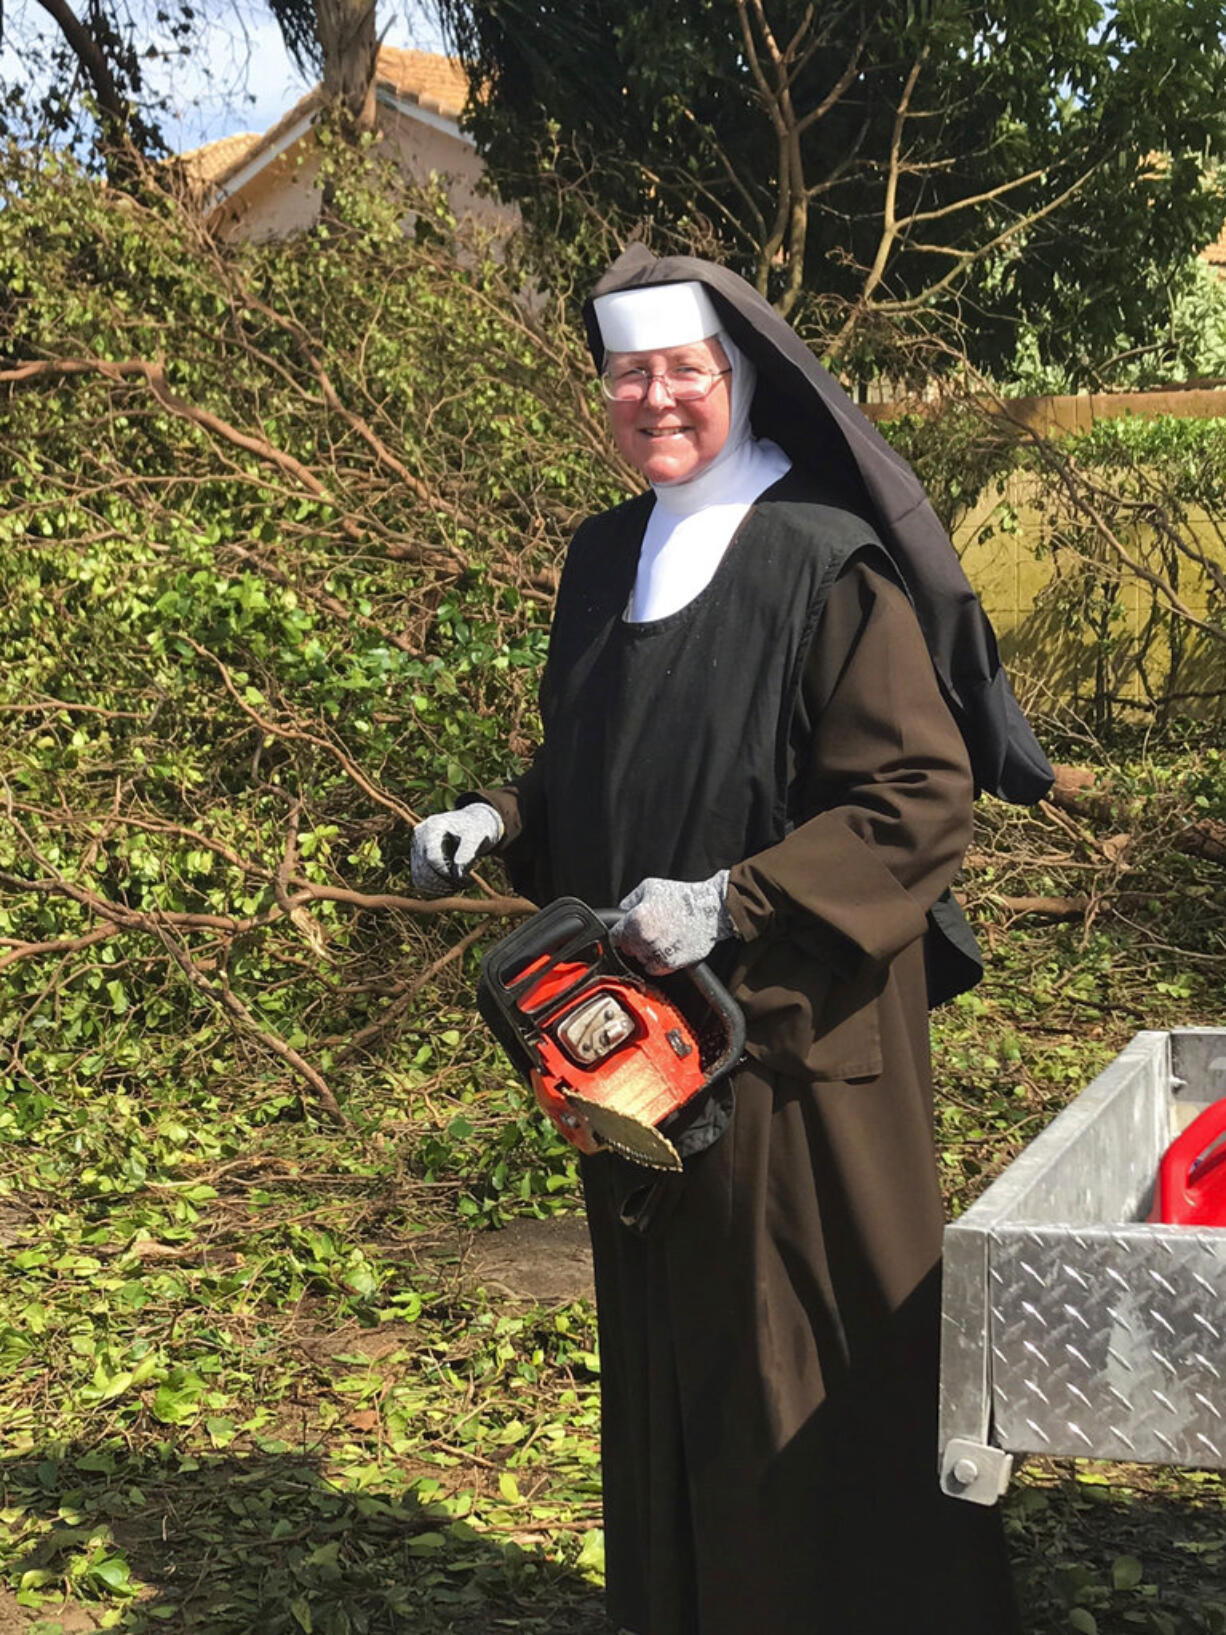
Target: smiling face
[{"x": 672, "y": 442}]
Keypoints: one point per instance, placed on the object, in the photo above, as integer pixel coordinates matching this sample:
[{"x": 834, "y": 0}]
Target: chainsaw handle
[
  {"x": 554, "y": 933},
  {"x": 708, "y": 985},
  {"x": 565, "y": 923}
]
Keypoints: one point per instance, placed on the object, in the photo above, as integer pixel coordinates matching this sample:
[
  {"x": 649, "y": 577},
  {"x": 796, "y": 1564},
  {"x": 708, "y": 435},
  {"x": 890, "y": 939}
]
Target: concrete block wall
[{"x": 1034, "y": 579}]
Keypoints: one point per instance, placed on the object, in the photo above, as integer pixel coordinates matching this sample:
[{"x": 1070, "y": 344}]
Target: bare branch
[
  {"x": 504, "y": 907},
  {"x": 221, "y": 994},
  {"x": 275, "y": 729},
  {"x": 973, "y": 200},
  {"x": 113, "y": 107},
  {"x": 19, "y": 950},
  {"x": 154, "y": 376},
  {"x": 835, "y": 94}
]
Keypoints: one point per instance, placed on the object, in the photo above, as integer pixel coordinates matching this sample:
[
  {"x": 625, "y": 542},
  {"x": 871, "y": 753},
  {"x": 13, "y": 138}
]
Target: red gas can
[{"x": 1191, "y": 1185}]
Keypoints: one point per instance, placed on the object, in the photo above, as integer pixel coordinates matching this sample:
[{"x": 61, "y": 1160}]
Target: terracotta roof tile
[
  {"x": 202, "y": 166},
  {"x": 1215, "y": 253},
  {"x": 437, "y": 83}
]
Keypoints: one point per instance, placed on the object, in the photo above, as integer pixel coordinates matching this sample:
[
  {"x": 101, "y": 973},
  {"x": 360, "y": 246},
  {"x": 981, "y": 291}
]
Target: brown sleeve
[
  {"x": 519, "y": 803},
  {"x": 887, "y": 776}
]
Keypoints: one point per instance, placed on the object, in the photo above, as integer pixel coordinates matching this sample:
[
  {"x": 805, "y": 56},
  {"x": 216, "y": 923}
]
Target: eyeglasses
[{"x": 684, "y": 383}]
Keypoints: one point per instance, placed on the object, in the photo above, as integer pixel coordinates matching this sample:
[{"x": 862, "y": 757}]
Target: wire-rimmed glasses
[{"x": 684, "y": 383}]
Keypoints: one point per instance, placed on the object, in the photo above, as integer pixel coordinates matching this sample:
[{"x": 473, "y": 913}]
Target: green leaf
[
  {"x": 116, "y": 1386},
  {"x": 115, "y": 1573},
  {"x": 591, "y": 1555},
  {"x": 37, "y": 1578},
  {"x": 177, "y": 1399},
  {"x": 1126, "y": 1572}
]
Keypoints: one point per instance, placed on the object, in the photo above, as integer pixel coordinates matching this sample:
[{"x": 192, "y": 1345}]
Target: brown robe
[{"x": 769, "y": 1346}]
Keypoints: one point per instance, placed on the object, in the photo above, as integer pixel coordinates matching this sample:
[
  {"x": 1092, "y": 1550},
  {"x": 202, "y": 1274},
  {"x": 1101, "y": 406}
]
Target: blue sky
[{"x": 237, "y": 79}]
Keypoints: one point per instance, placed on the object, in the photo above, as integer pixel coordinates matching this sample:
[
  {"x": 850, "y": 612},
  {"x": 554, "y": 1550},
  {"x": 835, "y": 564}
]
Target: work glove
[
  {"x": 446, "y": 846},
  {"x": 671, "y": 923}
]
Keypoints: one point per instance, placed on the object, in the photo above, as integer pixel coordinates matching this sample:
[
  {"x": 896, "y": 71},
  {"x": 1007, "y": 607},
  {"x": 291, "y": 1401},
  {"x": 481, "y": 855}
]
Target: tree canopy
[
  {"x": 997, "y": 165},
  {"x": 289, "y": 512},
  {"x": 97, "y": 86}
]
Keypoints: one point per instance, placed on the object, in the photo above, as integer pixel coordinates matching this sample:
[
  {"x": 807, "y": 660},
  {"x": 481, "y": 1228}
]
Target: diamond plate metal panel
[
  {"x": 1110, "y": 1343},
  {"x": 1070, "y": 1326}
]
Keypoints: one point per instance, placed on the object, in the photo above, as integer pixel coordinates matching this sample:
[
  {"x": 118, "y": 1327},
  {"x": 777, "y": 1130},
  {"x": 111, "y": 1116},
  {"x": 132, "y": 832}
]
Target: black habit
[
  {"x": 769, "y": 1342},
  {"x": 768, "y": 1328}
]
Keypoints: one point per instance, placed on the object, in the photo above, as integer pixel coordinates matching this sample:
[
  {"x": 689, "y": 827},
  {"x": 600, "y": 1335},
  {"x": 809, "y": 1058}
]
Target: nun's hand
[
  {"x": 446, "y": 846},
  {"x": 671, "y": 923}
]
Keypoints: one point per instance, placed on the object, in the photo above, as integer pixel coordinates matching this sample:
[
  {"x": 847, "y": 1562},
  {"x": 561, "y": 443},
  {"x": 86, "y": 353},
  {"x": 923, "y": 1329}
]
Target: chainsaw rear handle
[
  {"x": 711, "y": 989},
  {"x": 555, "y": 933},
  {"x": 560, "y": 929}
]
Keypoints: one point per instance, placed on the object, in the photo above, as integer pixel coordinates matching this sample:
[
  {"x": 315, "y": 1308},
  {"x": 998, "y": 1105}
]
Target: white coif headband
[{"x": 655, "y": 316}]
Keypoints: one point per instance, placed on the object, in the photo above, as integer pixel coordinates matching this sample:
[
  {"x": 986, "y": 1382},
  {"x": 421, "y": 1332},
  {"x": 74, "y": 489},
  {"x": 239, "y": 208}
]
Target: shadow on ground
[
  {"x": 1118, "y": 1550},
  {"x": 265, "y": 1545},
  {"x": 262, "y": 1545}
]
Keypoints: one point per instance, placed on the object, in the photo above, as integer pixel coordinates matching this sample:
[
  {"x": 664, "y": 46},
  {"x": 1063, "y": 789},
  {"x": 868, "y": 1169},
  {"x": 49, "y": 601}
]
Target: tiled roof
[
  {"x": 216, "y": 163},
  {"x": 437, "y": 84},
  {"x": 204, "y": 165}
]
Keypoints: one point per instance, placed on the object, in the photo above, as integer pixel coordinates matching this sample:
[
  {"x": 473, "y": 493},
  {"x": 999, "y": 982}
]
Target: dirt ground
[{"x": 545, "y": 1262}]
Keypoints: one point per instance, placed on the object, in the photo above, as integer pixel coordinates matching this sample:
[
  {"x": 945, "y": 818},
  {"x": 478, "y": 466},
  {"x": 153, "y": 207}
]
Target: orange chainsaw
[{"x": 614, "y": 1059}]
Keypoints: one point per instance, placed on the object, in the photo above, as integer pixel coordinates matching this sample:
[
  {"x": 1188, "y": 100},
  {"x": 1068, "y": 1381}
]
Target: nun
[{"x": 770, "y": 699}]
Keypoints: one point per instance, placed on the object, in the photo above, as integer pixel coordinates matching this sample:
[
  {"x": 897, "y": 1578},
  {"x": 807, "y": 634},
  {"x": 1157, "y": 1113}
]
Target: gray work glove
[
  {"x": 447, "y": 845},
  {"x": 671, "y": 923}
]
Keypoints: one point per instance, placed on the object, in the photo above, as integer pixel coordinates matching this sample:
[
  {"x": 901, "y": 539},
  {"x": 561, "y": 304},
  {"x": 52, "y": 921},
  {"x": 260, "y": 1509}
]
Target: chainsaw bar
[{"x": 641, "y": 1143}]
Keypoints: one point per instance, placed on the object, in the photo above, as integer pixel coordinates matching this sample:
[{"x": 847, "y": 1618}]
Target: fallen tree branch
[
  {"x": 363, "y": 428},
  {"x": 506, "y": 907},
  {"x": 222, "y": 995},
  {"x": 1052, "y": 908},
  {"x": 18, "y": 950},
  {"x": 357, "y": 1041},
  {"x": 273, "y": 729},
  {"x": 139, "y": 919},
  {"x": 154, "y": 376},
  {"x": 1075, "y": 790},
  {"x": 332, "y": 605}
]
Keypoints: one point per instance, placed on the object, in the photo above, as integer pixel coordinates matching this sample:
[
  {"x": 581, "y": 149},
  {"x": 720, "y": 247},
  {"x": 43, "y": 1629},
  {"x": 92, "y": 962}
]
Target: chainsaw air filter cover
[{"x": 612, "y": 1057}]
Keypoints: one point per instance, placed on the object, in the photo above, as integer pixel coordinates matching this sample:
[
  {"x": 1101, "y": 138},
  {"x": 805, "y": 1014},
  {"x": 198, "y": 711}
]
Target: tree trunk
[{"x": 348, "y": 44}]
